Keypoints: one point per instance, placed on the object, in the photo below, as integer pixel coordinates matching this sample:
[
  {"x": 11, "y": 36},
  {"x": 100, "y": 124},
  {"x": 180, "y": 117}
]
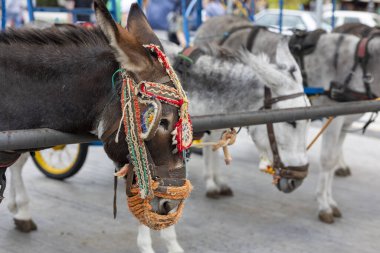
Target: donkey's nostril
[
  {"x": 292, "y": 183},
  {"x": 166, "y": 206}
]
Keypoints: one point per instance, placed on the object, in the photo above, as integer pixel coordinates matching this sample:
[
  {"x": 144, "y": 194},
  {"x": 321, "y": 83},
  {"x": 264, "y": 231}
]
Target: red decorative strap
[{"x": 362, "y": 48}]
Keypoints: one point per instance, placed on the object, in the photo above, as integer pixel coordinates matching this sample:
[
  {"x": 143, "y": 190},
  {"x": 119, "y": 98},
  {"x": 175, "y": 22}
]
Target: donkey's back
[{"x": 54, "y": 78}]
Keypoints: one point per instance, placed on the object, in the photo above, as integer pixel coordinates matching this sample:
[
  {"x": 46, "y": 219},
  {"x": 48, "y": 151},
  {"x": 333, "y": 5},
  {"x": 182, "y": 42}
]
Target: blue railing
[
  {"x": 3, "y": 14},
  {"x": 333, "y": 14},
  {"x": 75, "y": 12},
  {"x": 281, "y": 3},
  {"x": 252, "y": 11},
  {"x": 186, "y": 12}
]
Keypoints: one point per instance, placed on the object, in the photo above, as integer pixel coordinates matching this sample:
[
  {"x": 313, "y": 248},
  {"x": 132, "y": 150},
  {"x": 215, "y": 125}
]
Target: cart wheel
[
  {"x": 61, "y": 162},
  {"x": 196, "y": 150}
]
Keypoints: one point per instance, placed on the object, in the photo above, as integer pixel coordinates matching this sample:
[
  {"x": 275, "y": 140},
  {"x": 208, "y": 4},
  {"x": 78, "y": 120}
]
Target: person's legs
[{"x": 14, "y": 20}]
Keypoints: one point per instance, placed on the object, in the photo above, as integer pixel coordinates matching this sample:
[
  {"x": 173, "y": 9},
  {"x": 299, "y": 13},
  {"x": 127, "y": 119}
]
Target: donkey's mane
[
  {"x": 223, "y": 53},
  {"x": 243, "y": 55},
  {"x": 57, "y": 35}
]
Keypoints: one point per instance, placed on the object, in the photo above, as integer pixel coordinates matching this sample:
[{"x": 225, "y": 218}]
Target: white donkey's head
[{"x": 283, "y": 79}]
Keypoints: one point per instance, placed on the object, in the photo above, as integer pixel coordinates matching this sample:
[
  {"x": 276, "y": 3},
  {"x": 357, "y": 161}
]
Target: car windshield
[
  {"x": 289, "y": 21},
  {"x": 376, "y": 19}
]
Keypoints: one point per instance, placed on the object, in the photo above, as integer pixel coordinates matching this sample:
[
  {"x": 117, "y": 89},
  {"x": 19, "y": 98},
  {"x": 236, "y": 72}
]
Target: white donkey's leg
[
  {"x": 12, "y": 207},
  {"x": 170, "y": 237},
  {"x": 341, "y": 166},
  {"x": 144, "y": 241},
  {"x": 211, "y": 164},
  {"x": 220, "y": 181},
  {"x": 329, "y": 160},
  {"x": 19, "y": 200},
  {"x": 333, "y": 205},
  {"x": 343, "y": 170}
]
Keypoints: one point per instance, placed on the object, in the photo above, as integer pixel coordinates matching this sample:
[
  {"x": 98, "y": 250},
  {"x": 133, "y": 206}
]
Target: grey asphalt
[{"x": 76, "y": 215}]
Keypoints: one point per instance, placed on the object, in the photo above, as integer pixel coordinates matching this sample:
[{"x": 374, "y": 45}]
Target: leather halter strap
[
  {"x": 272, "y": 138},
  {"x": 269, "y": 101},
  {"x": 293, "y": 172}
]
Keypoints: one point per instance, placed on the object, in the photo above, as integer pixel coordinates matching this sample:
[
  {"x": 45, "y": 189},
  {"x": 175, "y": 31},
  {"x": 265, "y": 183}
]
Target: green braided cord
[
  {"x": 145, "y": 169},
  {"x": 186, "y": 58},
  {"x": 113, "y": 76},
  {"x": 141, "y": 171},
  {"x": 135, "y": 164}
]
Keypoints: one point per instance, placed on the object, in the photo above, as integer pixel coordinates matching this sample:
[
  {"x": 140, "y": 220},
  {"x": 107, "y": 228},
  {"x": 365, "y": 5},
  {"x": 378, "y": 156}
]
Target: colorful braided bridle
[{"x": 136, "y": 122}]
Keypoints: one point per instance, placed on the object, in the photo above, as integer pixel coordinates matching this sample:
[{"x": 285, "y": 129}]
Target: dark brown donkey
[{"x": 61, "y": 79}]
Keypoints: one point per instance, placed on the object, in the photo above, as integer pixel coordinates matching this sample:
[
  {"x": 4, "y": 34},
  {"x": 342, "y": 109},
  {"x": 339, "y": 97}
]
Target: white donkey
[
  {"x": 331, "y": 60},
  {"x": 219, "y": 82}
]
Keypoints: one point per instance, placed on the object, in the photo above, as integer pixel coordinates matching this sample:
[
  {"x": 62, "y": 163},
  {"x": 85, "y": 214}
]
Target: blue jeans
[{"x": 15, "y": 19}]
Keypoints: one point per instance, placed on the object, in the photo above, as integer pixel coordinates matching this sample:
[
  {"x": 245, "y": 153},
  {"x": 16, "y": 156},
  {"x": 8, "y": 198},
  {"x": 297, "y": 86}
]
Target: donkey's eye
[
  {"x": 153, "y": 54},
  {"x": 164, "y": 123},
  {"x": 291, "y": 72},
  {"x": 292, "y": 123}
]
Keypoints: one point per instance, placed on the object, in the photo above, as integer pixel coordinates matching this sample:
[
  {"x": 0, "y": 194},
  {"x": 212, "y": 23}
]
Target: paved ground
[{"x": 76, "y": 215}]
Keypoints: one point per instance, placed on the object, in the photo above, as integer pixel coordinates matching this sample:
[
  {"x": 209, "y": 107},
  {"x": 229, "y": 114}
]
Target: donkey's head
[
  {"x": 150, "y": 128},
  {"x": 283, "y": 79}
]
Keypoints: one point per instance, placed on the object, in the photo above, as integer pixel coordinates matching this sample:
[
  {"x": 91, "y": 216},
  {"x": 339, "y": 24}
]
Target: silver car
[{"x": 292, "y": 19}]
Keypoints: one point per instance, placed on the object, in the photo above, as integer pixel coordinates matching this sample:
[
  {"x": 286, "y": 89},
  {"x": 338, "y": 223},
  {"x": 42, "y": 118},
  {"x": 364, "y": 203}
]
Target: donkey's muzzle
[{"x": 291, "y": 178}]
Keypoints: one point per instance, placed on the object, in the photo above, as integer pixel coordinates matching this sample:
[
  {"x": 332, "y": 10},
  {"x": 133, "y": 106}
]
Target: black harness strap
[
  {"x": 6, "y": 160},
  {"x": 341, "y": 92},
  {"x": 303, "y": 43},
  {"x": 363, "y": 58},
  {"x": 115, "y": 195},
  {"x": 252, "y": 36},
  {"x": 232, "y": 31},
  {"x": 185, "y": 60},
  {"x": 3, "y": 182},
  {"x": 336, "y": 54}
]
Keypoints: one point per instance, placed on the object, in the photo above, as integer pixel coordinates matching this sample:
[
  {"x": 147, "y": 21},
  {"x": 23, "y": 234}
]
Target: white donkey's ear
[{"x": 285, "y": 59}]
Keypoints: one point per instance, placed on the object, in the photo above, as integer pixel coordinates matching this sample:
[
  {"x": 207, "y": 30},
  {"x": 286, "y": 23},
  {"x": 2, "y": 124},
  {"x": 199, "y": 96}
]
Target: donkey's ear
[
  {"x": 105, "y": 21},
  {"x": 128, "y": 50},
  {"x": 139, "y": 27}
]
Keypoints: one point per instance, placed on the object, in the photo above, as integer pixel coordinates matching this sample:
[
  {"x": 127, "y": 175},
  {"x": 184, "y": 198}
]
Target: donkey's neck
[{"x": 219, "y": 86}]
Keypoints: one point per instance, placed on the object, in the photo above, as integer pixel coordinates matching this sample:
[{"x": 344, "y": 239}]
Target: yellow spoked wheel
[
  {"x": 196, "y": 149},
  {"x": 61, "y": 162}
]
